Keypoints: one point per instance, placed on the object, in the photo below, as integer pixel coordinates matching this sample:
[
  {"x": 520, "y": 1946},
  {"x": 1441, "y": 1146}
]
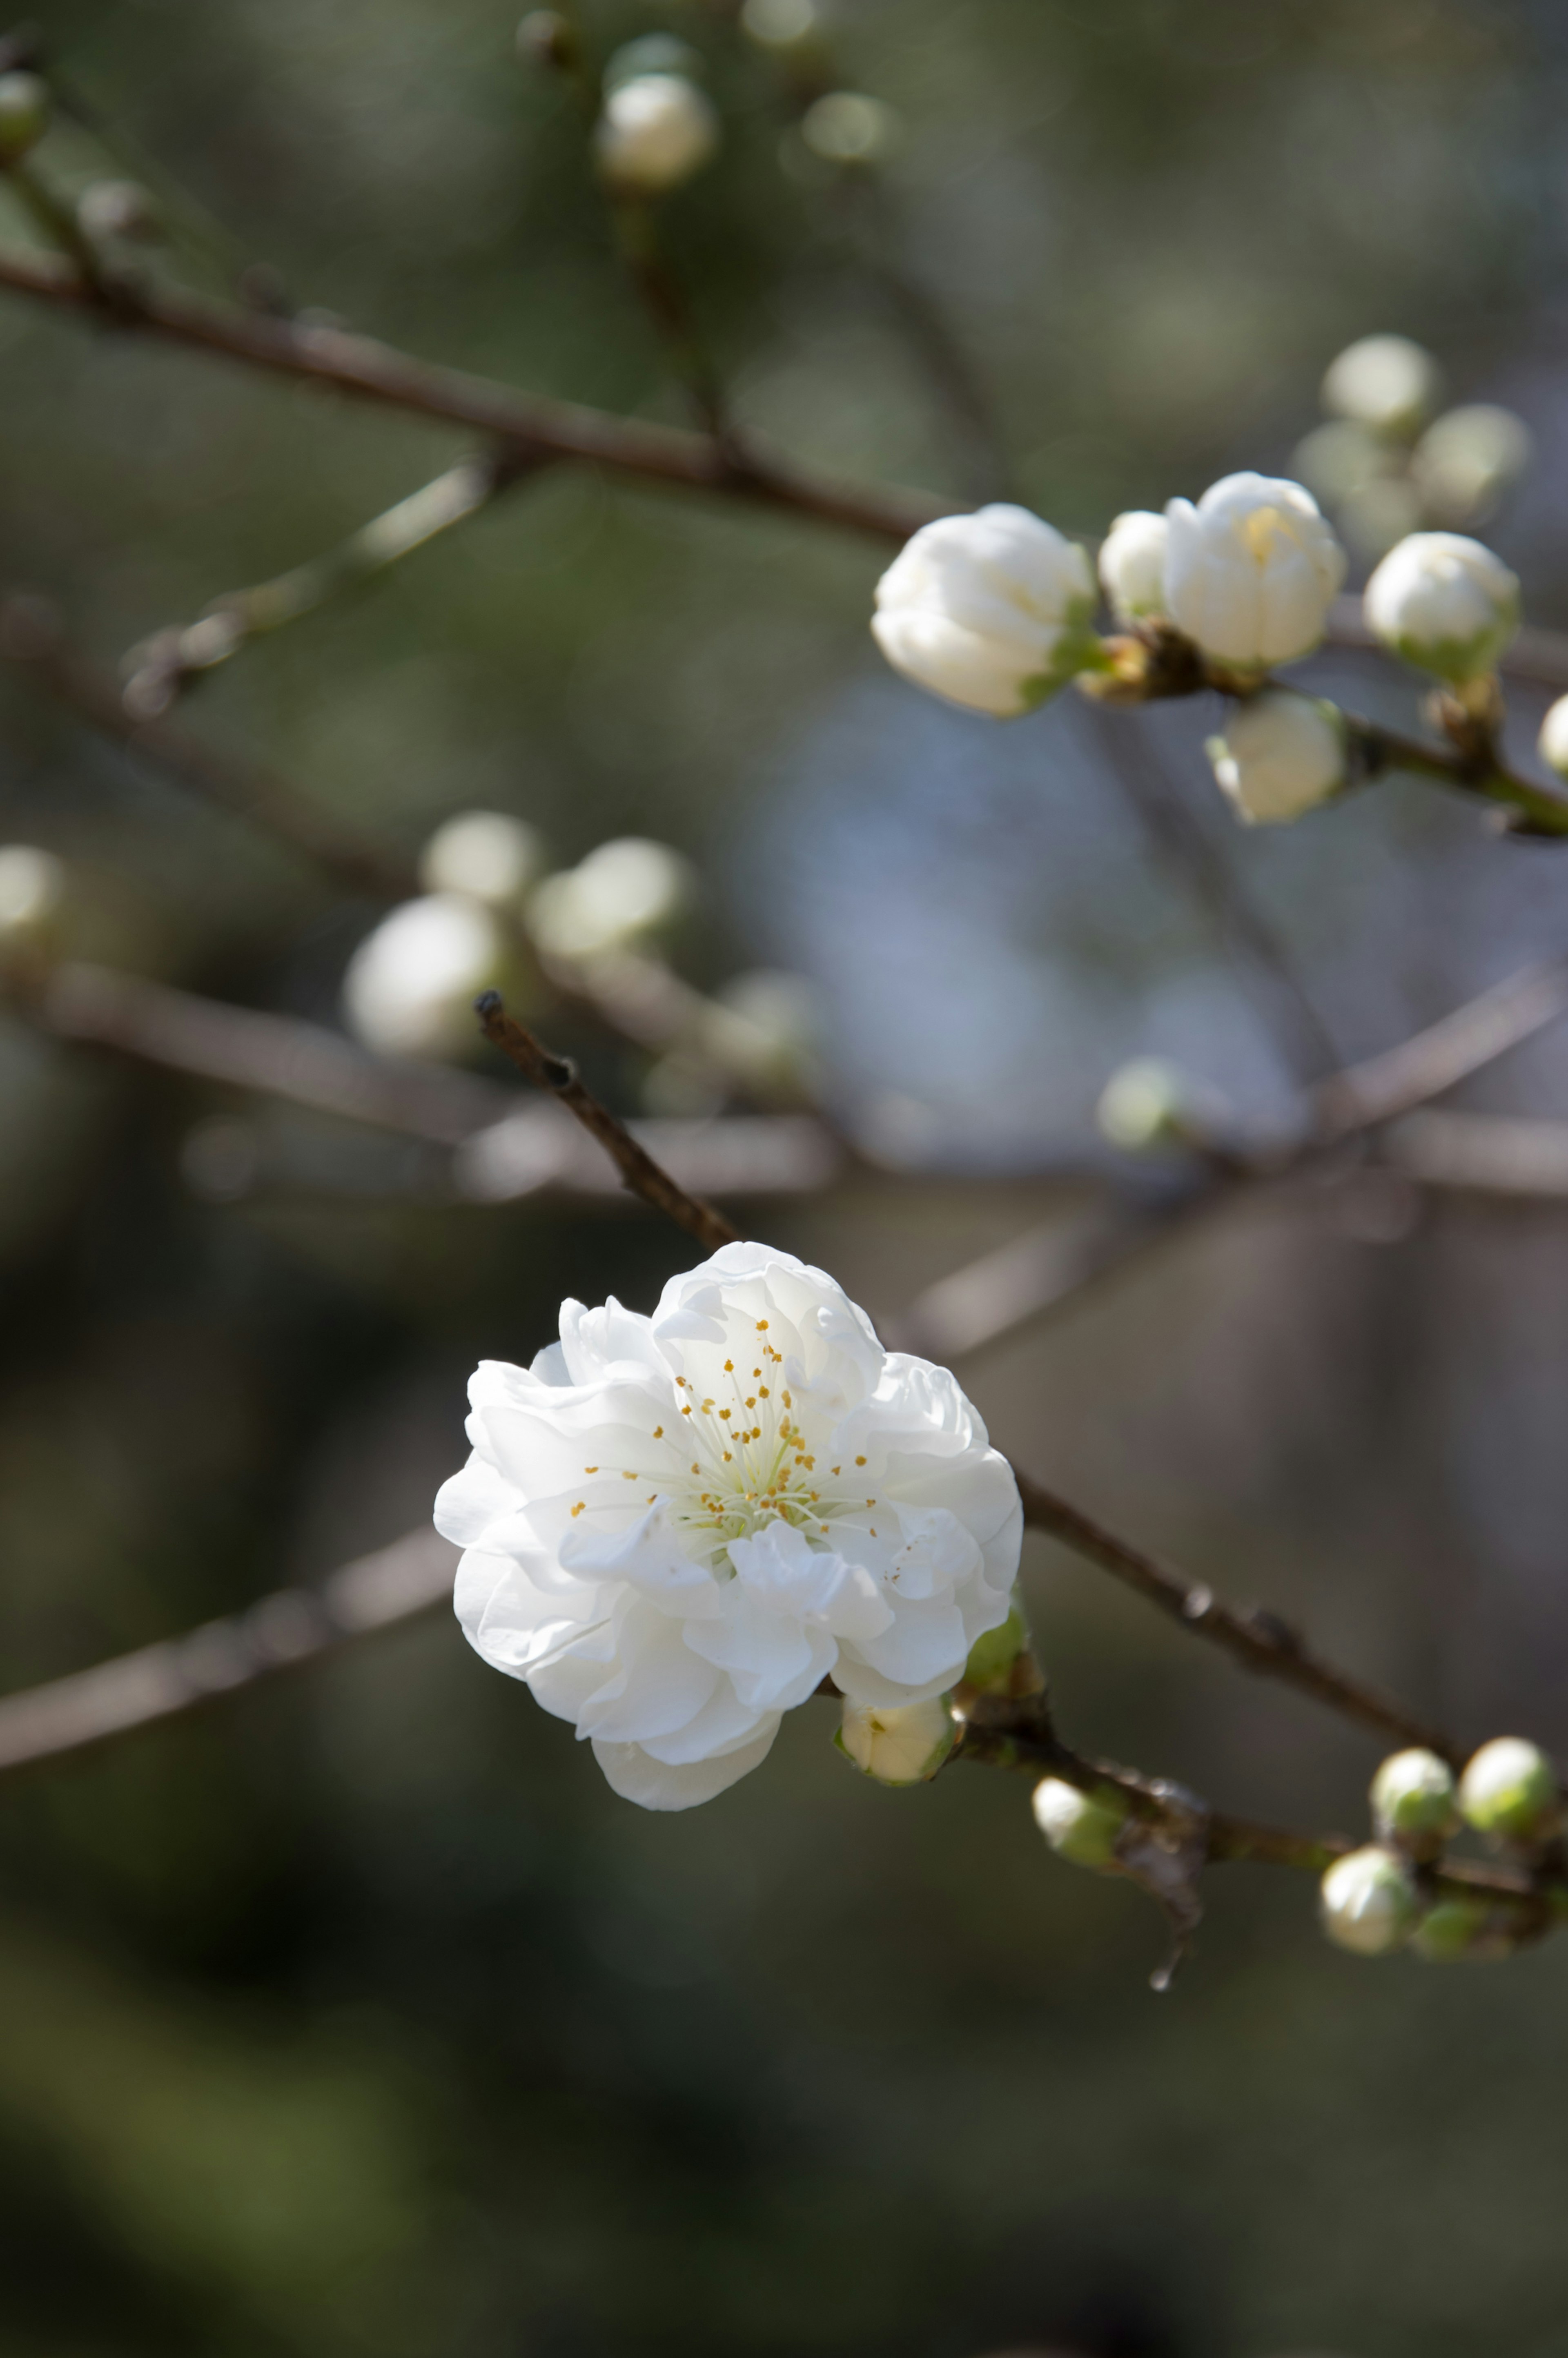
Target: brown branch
[
  {"x": 31, "y": 638},
  {"x": 638, "y": 1170},
  {"x": 1260, "y": 1640},
  {"x": 539, "y": 427},
  {"x": 292, "y": 1627}
]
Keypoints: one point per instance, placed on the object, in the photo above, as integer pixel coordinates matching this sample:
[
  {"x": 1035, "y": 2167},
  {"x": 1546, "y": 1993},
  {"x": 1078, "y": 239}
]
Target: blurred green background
[{"x": 358, "y": 2016}]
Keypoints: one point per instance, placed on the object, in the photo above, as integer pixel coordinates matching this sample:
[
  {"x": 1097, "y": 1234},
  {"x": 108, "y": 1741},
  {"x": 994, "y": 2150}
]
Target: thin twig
[
  {"x": 168, "y": 662},
  {"x": 30, "y": 637},
  {"x": 638, "y": 1170}
]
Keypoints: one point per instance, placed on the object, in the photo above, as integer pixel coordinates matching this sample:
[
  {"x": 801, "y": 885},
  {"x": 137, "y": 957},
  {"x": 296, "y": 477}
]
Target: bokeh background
[{"x": 357, "y": 2017}]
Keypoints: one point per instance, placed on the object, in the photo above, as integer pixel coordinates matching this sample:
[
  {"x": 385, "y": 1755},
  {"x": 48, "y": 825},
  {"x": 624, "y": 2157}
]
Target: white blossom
[
  {"x": 655, "y": 131},
  {"x": 1368, "y": 1901},
  {"x": 676, "y": 1526},
  {"x": 1553, "y": 739},
  {"x": 992, "y": 611},
  {"x": 1445, "y": 603},
  {"x": 1280, "y": 756},
  {"x": 410, "y": 986},
  {"x": 1132, "y": 566},
  {"x": 898, "y": 1744},
  {"x": 1385, "y": 382},
  {"x": 1252, "y": 571}
]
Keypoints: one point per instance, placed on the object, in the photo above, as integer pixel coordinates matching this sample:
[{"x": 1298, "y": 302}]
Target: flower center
[{"x": 1264, "y": 530}]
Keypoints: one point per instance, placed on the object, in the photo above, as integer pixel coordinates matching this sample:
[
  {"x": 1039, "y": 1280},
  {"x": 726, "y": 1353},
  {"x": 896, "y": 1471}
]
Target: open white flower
[
  {"x": 1445, "y": 603},
  {"x": 1280, "y": 756},
  {"x": 1250, "y": 571},
  {"x": 676, "y": 1526},
  {"x": 1132, "y": 566},
  {"x": 992, "y": 611}
]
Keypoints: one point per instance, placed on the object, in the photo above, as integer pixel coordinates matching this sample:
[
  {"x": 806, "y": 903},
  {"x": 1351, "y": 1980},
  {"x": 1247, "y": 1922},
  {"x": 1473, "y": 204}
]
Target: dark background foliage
[{"x": 359, "y": 2017}]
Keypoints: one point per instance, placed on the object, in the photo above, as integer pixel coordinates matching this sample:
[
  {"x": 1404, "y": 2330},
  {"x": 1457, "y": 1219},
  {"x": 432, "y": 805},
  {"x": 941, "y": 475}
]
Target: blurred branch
[
  {"x": 668, "y": 303},
  {"x": 540, "y": 428},
  {"x": 165, "y": 664},
  {"x": 1489, "y": 1154},
  {"x": 31, "y": 638},
  {"x": 1298, "y": 1029},
  {"x": 1042, "y": 1273},
  {"x": 638, "y": 1170},
  {"x": 502, "y": 1151},
  {"x": 292, "y": 1627}
]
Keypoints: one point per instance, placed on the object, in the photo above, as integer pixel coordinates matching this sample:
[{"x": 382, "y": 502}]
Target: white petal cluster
[
  {"x": 1132, "y": 566},
  {"x": 992, "y": 611},
  {"x": 1445, "y": 603},
  {"x": 1280, "y": 756},
  {"x": 1252, "y": 571},
  {"x": 655, "y": 131},
  {"x": 675, "y": 1528}
]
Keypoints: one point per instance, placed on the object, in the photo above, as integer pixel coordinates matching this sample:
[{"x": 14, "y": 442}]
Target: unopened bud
[
  {"x": 1081, "y": 1827},
  {"x": 850, "y": 129},
  {"x": 1386, "y": 383},
  {"x": 1368, "y": 1901},
  {"x": 1457, "y": 1930},
  {"x": 1468, "y": 460},
  {"x": 410, "y": 986},
  {"x": 1132, "y": 566},
  {"x": 1280, "y": 755},
  {"x": 1553, "y": 739},
  {"x": 489, "y": 855},
  {"x": 782, "y": 25},
  {"x": 1150, "y": 1103},
  {"x": 1413, "y": 1803},
  {"x": 903, "y": 1744},
  {"x": 1443, "y": 603},
  {"x": 1001, "y": 1664},
  {"x": 1510, "y": 1792},
  {"x": 32, "y": 895},
  {"x": 25, "y": 109},
  {"x": 623, "y": 895},
  {"x": 655, "y": 131}
]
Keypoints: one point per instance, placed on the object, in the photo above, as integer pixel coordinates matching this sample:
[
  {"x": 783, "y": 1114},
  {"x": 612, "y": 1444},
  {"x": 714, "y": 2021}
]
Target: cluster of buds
[
  {"x": 1386, "y": 463},
  {"x": 995, "y": 611},
  {"x": 1390, "y": 1894}
]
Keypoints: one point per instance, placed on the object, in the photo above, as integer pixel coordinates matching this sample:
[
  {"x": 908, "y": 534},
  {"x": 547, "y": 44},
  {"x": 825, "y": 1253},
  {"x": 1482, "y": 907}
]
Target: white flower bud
[
  {"x": 25, "y": 109},
  {"x": 1368, "y": 1902},
  {"x": 848, "y": 128},
  {"x": 1443, "y": 603},
  {"x": 1250, "y": 570},
  {"x": 1384, "y": 382},
  {"x": 1280, "y": 755},
  {"x": 898, "y": 1744},
  {"x": 410, "y": 986},
  {"x": 622, "y": 894},
  {"x": 1132, "y": 566},
  {"x": 1149, "y": 1103},
  {"x": 655, "y": 132},
  {"x": 489, "y": 855},
  {"x": 1510, "y": 1792},
  {"x": 1468, "y": 459},
  {"x": 782, "y": 25},
  {"x": 1081, "y": 1827},
  {"x": 992, "y": 611},
  {"x": 1553, "y": 739},
  {"x": 32, "y": 893},
  {"x": 1413, "y": 1803}
]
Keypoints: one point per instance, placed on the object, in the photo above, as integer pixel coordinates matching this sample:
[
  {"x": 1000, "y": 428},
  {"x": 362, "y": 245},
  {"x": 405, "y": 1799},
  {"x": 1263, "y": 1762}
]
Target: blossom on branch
[
  {"x": 1445, "y": 603},
  {"x": 1132, "y": 566},
  {"x": 1252, "y": 571},
  {"x": 655, "y": 131},
  {"x": 992, "y": 611},
  {"x": 1280, "y": 755},
  {"x": 676, "y": 1526}
]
